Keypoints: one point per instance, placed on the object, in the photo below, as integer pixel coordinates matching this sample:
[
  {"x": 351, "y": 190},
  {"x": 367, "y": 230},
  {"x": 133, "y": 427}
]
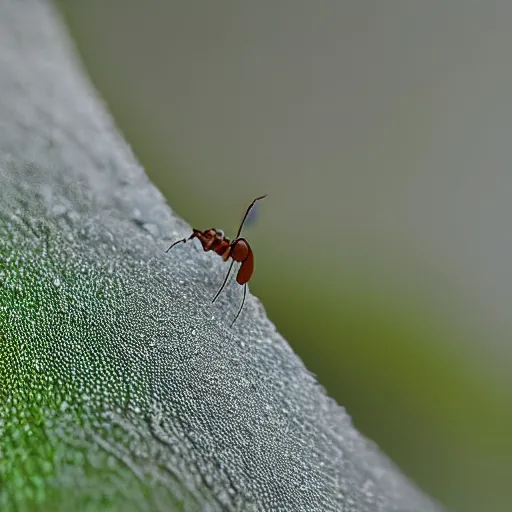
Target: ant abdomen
[
  {"x": 240, "y": 250},
  {"x": 246, "y": 269}
]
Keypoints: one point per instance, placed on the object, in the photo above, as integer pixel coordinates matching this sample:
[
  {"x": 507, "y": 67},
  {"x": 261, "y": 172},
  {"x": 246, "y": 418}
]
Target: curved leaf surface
[{"x": 121, "y": 386}]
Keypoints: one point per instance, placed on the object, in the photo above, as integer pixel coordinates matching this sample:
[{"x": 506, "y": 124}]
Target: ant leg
[
  {"x": 224, "y": 283},
  {"x": 247, "y": 213},
  {"x": 241, "y": 307}
]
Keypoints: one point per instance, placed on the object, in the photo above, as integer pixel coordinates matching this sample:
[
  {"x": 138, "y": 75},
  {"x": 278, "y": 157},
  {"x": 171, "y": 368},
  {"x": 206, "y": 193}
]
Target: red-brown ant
[{"x": 239, "y": 250}]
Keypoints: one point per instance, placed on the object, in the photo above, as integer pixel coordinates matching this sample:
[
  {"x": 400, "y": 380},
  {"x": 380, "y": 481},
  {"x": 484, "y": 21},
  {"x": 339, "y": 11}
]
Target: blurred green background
[{"x": 381, "y": 132}]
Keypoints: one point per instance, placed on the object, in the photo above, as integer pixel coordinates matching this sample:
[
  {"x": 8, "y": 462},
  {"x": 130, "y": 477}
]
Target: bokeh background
[{"x": 382, "y": 132}]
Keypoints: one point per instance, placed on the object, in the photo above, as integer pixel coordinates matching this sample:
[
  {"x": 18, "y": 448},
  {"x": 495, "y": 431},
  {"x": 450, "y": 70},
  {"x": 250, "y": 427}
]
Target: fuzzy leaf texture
[{"x": 121, "y": 386}]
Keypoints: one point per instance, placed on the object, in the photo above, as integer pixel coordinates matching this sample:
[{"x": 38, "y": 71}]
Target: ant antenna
[
  {"x": 224, "y": 283},
  {"x": 247, "y": 213},
  {"x": 241, "y": 306},
  {"x": 178, "y": 242},
  {"x": 181, "y": 241}
]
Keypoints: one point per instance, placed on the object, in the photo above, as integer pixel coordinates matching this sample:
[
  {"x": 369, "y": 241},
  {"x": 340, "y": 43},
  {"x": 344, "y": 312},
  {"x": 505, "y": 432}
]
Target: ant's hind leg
[
  {"x": 241, "y": 306},
  {"x": 224, "y": 283}
]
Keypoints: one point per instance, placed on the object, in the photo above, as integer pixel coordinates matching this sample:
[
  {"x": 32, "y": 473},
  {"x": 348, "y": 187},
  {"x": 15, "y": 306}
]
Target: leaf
[{"x": 121, "y": 386}]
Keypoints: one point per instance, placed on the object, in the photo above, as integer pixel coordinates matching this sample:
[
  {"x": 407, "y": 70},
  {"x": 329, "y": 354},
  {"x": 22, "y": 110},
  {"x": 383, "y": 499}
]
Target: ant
[{"x": 238, "y": 249}]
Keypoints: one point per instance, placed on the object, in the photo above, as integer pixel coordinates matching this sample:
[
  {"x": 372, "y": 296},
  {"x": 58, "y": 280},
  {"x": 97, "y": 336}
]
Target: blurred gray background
[{"x": 382, "y": 133}]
